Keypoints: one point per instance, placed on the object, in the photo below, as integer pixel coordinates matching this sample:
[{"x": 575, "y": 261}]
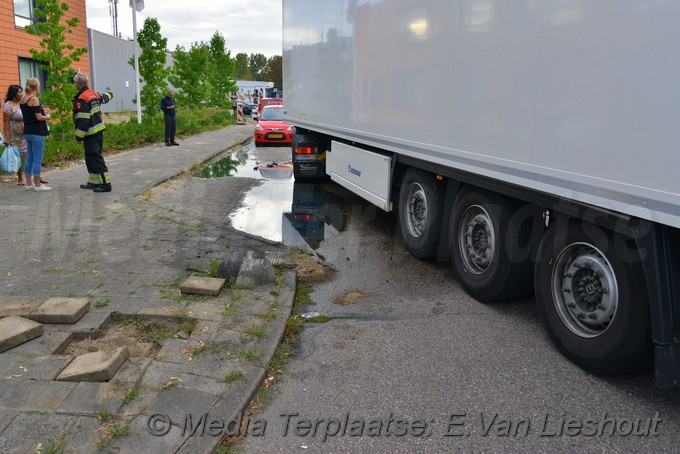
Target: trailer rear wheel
[
  {"x": 420, "y": 213},
  {"x": 594, "y": 304},
  {"x": 491, "y": 247}
]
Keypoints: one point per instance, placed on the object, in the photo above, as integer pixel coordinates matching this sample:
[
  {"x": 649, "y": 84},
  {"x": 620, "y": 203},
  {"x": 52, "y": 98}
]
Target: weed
[
  {"x": 302, "y": 294},
  {"x": 233, "y": 376},
  {"x": 99, "y": 285},
  {"x": 247, "y": 355},
  {"x": 53, "y": 446},
  {"x": 105, "y": 415},
  {"x": 146, "y": 247},
  {"x": 100, "y": 218},
  {"x": 212, "y": 268},
  {"x": 131, "y": 395},
  {"x": 255, "y": 331},
  {"x": 70, "y": 295},
  {"x": 188, "y": 326},
  {"x": 235, "y": 296},
  {"x": 227, "y": 309},
  {"x": 102, "y": 302},
  {"x": 159, "y": 335},
  {"x": 319, "y": 319}
]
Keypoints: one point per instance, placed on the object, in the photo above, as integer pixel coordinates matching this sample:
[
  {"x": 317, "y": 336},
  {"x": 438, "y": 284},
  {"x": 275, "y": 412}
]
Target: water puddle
[{"x": 281, "y": 210}]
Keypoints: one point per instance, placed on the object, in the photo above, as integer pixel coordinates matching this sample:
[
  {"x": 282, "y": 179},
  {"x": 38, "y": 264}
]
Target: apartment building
[{"x": 16, "y": 63}]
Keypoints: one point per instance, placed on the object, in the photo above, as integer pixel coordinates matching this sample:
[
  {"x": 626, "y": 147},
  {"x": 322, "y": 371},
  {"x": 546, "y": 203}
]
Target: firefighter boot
[{"x": 105, "y": 186}]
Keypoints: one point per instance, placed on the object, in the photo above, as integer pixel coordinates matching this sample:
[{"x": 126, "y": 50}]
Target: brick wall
[{"x": 15, "y": 42}]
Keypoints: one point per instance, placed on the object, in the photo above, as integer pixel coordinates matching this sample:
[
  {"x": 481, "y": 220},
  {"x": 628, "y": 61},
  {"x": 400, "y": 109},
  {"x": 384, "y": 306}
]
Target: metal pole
[{"x": 137, "y": 89}]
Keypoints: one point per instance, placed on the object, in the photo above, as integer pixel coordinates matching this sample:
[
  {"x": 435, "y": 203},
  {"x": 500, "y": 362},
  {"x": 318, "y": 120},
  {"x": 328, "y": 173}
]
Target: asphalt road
[{"x": 425, "y": 368}]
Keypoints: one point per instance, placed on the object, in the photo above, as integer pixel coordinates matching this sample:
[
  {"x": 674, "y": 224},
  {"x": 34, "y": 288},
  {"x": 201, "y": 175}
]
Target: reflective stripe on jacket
[{"x": 87, "y": 112}]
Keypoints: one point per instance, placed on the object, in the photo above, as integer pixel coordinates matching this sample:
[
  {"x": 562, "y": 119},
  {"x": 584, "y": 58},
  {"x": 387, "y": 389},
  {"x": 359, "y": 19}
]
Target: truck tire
[
  {"x": 420, "y": 213},
  {"x": 491, "y": 246},
  {"x": 594, "y": 305}
]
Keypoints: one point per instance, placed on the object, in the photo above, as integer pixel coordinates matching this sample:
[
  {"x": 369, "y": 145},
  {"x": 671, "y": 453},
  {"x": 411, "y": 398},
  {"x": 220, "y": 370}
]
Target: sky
[{"x": 250, "y": 26}]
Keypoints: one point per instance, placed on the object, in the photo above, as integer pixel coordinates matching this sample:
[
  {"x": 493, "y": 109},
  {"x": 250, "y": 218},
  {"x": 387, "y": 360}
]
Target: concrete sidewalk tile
[
  {"x": 90, "y": 325},
  {"x": 177, "y": 351},
  {"x": 91, "y": 398},
  {"x": 39, "y": 395},
  {"x": 140, "y": 440},
  {"x": 205, "y": 329},
  {"x": 202, "y": 383},
  {"x": 50, "y": 343},
  {"x": 216, "y": 365},
  {"x": 95, "y": 367},
  {"x": 32, "y": 367},
  {"x": 207, "y": 310},
  {"x": 159, "y": 373},
  {"x": 27, "y": 430},
  {"x": 61, "y": 310},
  {"x": 84, "y": 436},
  {"x": 6, "y": 417},
  {"x": 199, "y": 285},
  {"x": 19, "y": 307},
  {"x": 17, "y": 330},
  {"x": 179, "y": 402},
  {"x": 141, "y": 404},
  {"x": 131, "y": 373}
]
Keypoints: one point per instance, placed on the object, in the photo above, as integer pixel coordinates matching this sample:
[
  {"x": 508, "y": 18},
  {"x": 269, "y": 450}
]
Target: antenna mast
[{"x": 113, "y": 12}]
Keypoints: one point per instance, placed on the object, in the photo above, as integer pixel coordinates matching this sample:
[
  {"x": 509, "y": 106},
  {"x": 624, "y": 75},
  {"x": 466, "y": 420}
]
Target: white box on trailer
[{"x": 578, "y": 99}]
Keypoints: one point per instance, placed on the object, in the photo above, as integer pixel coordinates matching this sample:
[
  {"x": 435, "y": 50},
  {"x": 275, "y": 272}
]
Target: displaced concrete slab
[
  {"x": 199, "y": 285},
  {"x": 20, "y": 308},
  {"x": 255, "y": 271},
  {"x": 61, "y": 310},
  {"x": 95, "y": 366},
  {"x": 17, "y": 330}
]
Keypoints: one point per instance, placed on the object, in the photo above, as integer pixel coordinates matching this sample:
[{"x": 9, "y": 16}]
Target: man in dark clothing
[
  {"x": 169, "y": 106},
  {"x": 87, "y": 117}
]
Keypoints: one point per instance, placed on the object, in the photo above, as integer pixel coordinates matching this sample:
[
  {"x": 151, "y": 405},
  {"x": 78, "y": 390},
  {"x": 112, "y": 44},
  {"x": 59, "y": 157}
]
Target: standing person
[
  {"x": 90, "y": 130},
  {"x": 169, "y": 108},
  {"x": 35, "y": 130},
  {"x": 13, "y": 121}
]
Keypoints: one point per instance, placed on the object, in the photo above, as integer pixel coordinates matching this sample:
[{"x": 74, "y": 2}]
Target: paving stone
[
  {"x": 50, "y": 343},
  {"x": 39, "y": 395},
  {"x": 205, "y": 329},
  {"x": 159, "y": 373},
  {"x": 20, "y": 308},
  {"x": 141, "y": 404},
  {"x": 84, "y": 436},
  {"x": 27, "y": 430},
  {"x": 215, "y": 365},
  {"x": 228, "y": 339},
  {"x": 17, "y": 330},
  {"x": 207, "y": 310},
  {"x": 203, "y": 383},
  {"x": 61, "y": 310},
  {"x": 177, "y": 351},
  {"x": 90, "y": 325},
  {"x": 95, "y": 367},
  {"x": 140, "y": 440},
  {"x": 178, "y": 402},
  {"x": 131, "y": 373},
  {"x": 199, "y": 285},
  {"x": 92, "y": 398},
  {"x": 6, "y": 417},
  {"x": 29, "y": 367}
]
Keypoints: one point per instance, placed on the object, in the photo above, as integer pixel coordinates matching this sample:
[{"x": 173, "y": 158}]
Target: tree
[
  {"x": 57, "y": 58},
  {"x": 241, "y": 68},
  {"x": 222, "y": 78},
  {"x": 191, "y": 74},
  {"x": 152, "y": 69},
  {"x": 274, "y": 71},
  {"x": 258, "y": 63}
]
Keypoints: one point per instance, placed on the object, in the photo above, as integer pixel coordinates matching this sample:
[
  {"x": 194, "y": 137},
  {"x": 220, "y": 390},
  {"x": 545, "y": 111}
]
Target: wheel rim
[
  {"x": 416, "y": 210},
  {"x": 477, "y": 239},
  {"x": 585, "y": 291}
]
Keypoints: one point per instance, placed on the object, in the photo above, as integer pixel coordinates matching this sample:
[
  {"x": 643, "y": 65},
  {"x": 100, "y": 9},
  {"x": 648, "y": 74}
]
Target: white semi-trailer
[{"x": 533, "y": 143}]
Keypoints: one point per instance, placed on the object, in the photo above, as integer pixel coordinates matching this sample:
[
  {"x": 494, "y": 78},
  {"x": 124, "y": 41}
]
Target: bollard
[{"x": 239, "y": 113}]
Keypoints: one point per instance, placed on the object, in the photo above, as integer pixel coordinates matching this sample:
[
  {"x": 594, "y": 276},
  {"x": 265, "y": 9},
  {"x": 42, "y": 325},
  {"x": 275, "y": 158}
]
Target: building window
[
  {"x": 29, "y": 68},
  {"x": 23, "y": 13}
]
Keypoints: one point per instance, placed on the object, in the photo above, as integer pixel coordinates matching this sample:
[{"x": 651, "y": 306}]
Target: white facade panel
[{"x": 577, "y": 98}]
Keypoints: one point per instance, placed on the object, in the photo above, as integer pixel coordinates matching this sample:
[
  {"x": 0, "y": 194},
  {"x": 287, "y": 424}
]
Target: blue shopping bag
[{"x": 10, "y": 160}]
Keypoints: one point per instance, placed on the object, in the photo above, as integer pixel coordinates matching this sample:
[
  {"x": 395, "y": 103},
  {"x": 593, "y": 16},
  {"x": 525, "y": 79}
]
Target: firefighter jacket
[{"x": 87, "y": 112}]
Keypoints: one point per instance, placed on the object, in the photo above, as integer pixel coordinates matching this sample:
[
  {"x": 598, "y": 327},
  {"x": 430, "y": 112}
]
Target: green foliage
[
  {"x": 130, "y": 134},
  {"x": 152, "y": 69},
  {"x": 190, "y": 74},
  {"x": 57, "y": 58},
  {"x": 274, "y": 71},
  {"x": 222, "y": 78},
  {"x": 242, "y": 67},
  {"x": 258, "y": 64}
]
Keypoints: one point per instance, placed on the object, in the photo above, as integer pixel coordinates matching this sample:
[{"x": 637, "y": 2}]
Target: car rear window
[{"x": 272, "y": 114}]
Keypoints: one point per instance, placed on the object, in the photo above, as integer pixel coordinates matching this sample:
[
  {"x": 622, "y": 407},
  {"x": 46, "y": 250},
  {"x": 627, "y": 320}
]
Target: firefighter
[{"x": 87, "y": 117}]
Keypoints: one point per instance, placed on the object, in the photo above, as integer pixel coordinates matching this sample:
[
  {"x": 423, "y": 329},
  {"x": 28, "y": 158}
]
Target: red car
[{"x": 271, "y": 129}]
